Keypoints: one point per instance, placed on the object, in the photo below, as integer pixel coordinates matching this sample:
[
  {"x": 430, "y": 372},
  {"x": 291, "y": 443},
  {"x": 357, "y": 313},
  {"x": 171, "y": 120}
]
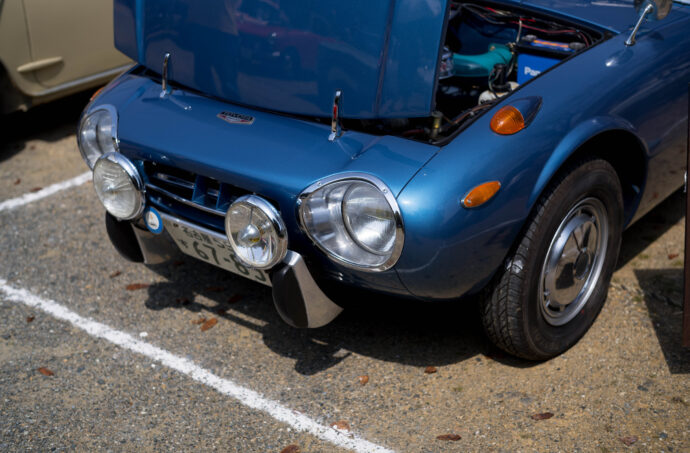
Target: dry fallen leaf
[
  {"x": 363, "y": 379},
  {"x": 30, "y": 318},
  {"x": 115, "y": 274},
  {"x": 208, "y": 324},
  {"x": 672, "y": 256},
  {"x": 198, "y": 321},
  {"x": 291, "y": 449},
  {"x": 430, "y": 369},
  {"x": 628, "y": 440},
  {"x": 542, "y": 416},
  {"x": 136, "y": 286},
  {"x": 215, "y": 289},
  {"x": 452, "y": 437},
  {"x": 341, "y": 425},
  {"x": 45, "y": 371},
  {"x": 36, "y": 189},
  {"x": 17, "y": 181},
  {"x": 234, "y": 298}
]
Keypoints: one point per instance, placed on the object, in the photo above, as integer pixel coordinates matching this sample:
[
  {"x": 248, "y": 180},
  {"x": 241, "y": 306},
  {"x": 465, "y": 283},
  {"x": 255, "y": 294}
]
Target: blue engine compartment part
[
  {"x": 481, "y": 65},
  {"x": 532, "y": 65}
]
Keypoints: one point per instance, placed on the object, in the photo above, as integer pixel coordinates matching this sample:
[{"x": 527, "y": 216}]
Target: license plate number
[{"x": 212, "y": 248}]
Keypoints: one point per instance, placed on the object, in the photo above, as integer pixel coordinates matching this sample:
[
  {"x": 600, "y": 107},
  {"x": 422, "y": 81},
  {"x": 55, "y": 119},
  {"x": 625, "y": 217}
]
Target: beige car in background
[{"x": 53, "y": 48}]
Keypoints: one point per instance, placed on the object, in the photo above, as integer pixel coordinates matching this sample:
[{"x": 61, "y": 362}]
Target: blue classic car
[{"x": 435, "y": 150}]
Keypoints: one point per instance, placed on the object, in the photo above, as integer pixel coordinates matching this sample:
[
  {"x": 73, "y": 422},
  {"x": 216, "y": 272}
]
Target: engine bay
[{"x": 489, "y": 51}]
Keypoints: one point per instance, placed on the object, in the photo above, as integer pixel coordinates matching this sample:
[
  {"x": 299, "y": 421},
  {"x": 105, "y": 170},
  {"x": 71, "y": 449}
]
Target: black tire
[{"x": 512, "y": 310}]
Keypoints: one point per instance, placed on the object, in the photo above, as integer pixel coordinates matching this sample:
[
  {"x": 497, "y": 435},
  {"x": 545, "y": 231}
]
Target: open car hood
[{"x": 293, "y": 55}]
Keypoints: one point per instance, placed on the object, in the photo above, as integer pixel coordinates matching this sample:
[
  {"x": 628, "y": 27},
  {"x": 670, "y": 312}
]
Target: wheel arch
[
  {"x": 611, "y": 139},
  {"x": 11, "y": 98}
]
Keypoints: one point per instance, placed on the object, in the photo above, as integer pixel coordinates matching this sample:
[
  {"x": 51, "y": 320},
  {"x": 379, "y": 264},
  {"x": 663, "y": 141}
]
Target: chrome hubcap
[{"x": 574, "y": 262}]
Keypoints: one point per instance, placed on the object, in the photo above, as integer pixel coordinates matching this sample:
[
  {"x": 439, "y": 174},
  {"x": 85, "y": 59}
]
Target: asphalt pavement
[{"x": 100, "y": 354}]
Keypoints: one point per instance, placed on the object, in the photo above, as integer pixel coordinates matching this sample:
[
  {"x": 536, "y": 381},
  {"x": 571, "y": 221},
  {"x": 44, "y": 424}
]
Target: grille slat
[
  {"x": 201, "y": 192},
  {"x": 173, "y": 180}
]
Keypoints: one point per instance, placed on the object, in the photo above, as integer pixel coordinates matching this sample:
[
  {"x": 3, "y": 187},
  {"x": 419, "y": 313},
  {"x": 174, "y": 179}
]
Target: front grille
[{"x": 172, "y": 187}]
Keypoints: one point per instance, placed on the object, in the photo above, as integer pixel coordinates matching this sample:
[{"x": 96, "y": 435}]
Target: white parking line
[
  {"x": 46, "y": 192},
  {"x": 244, "y": 395}
]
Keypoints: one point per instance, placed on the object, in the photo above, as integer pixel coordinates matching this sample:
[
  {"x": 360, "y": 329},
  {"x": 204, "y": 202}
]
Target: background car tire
[{"x": 518, "y": 314}]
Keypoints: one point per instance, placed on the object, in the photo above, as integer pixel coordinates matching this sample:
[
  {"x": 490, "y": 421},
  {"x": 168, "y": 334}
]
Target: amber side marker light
[
  {"x": 481, "y": 194},
  {"x": 508, "y": 120}
]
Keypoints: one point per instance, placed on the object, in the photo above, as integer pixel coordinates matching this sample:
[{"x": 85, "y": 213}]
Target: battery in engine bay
[{"x": 536, "y": 55}]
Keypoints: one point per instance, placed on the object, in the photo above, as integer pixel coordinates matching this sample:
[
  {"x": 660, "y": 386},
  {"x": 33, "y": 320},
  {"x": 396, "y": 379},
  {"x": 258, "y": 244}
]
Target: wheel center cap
[{"x": 582, "y": 265}]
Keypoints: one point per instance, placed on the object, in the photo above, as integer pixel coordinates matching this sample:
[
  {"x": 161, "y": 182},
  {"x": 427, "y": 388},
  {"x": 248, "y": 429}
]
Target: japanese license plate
[{"x": 211, "y": 247}]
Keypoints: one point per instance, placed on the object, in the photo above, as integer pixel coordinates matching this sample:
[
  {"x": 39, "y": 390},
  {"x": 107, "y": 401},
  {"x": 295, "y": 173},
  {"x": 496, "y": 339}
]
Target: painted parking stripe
[
  {"x": 45, "y": 192},
  {"x": 245, "y": 396}
]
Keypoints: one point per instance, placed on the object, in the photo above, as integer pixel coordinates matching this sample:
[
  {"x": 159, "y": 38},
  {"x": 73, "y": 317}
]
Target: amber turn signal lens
[
  {"x": 481, "y": 194},
  {"x": 507, "y": 121}
]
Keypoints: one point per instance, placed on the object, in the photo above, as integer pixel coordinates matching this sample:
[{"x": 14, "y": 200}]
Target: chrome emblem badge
[{"x": 236, "y": 118}]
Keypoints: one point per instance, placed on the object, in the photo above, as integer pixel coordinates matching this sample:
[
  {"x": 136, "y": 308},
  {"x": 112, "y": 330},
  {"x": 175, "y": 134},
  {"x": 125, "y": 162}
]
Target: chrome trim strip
[
  {"x": 390, "y": 198},
  {"x": 185, "y": 201},
  {"x": 84, "y": 80},
  {"x": 40, "y": 64},
  {"x": 174, "y": 180}
]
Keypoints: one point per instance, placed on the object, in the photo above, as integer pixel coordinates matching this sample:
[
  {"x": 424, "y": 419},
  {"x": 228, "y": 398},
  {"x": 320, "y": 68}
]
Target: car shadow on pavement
[
  {"x": 48, "y": 122},
  {"x": 663, "y": 294},
  {"x": 390, "y": 329},
  {"x": 394, "y": 330},
  {"x": 662, "y": 289}
]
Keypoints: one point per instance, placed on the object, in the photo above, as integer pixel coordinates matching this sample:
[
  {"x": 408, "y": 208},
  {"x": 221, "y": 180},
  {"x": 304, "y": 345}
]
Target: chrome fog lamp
[
  {"x": 98, "y": 134},
  {"x": 118, "y": 186},
  {"x": 355, "y": 220},
  {"x": 256, "y": 232}
]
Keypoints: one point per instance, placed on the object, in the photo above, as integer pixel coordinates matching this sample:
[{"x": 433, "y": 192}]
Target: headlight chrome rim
[
  {"x": 392, "y": 202},
  {"x": 134, "y": 178},
  {"x": 112, "y": 111},
  {"x": 276, "y": 223}
]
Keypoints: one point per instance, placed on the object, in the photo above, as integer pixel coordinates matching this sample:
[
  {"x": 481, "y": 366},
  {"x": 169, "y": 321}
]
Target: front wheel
[{"x": 556, "y": 279}]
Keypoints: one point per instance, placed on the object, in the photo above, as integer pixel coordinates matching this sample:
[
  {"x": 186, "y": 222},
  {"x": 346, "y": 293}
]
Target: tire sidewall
[{"x": 595, "y": 179}]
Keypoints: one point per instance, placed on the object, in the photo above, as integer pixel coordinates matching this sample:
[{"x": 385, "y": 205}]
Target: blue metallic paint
[
  {"x": 276, "y": 156},
  {"x": 449, "y": 250},
  {"x": 293, "y": 56}
]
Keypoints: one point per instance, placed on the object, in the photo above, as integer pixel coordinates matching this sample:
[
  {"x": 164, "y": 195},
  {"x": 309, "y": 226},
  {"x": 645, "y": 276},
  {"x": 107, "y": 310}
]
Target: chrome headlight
[
  {"x": 256, "y": 232},
  {"x": 118, "y": 186},
  {"x": 98, "y": 134},
  {"x": 355, "y": 220}
]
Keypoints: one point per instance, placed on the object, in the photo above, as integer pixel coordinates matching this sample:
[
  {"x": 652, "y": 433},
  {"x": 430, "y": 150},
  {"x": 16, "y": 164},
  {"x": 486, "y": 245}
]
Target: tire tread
[{"x": 501, "y": 307}]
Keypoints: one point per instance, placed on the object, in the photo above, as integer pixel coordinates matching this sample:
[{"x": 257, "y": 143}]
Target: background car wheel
[{"x": 556, "y": 280}]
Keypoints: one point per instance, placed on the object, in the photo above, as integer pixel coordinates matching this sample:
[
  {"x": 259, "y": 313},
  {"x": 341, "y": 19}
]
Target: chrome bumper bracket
[{"x": 298, "y": 298}]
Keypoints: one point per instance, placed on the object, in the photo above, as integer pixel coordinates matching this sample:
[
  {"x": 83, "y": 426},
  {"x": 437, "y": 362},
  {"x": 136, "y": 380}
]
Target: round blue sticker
[{"x": 153, "y": 220}]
